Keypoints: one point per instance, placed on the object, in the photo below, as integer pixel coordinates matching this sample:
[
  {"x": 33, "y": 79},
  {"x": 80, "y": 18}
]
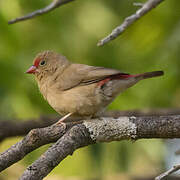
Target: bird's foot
[{"x": 61, "y": 121}]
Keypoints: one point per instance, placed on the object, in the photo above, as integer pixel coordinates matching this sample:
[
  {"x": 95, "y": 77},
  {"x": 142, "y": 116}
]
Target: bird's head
[{"x": 47, "y": 63}]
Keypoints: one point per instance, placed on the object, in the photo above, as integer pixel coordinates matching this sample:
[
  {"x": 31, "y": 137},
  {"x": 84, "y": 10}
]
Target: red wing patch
[
  {"x": 104, "y": 81},
  {"x": 117, "y": 76},
  {"x": 121, "y": 76}
]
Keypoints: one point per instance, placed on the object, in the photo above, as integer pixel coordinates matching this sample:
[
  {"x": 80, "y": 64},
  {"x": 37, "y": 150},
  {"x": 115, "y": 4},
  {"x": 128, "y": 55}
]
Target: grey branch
[
  {"x": 50, "y": 7},
  {"x": 146, "y": 7},
  {"x": 11, "y": 128},
  {"x": 74, "y": 136},
  {"x": 77, "y": 137},
  {"x": 34, "y": 139},
  {"x": 167, "y": 173}
]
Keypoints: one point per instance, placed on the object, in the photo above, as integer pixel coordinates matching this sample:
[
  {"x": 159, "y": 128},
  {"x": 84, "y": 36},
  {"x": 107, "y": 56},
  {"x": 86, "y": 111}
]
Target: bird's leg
[{"x": 64, "y": 118}]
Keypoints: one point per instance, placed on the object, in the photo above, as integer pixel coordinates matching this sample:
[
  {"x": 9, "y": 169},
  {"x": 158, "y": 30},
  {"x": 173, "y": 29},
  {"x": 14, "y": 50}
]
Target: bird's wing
[{"x": 80, "y": 74}]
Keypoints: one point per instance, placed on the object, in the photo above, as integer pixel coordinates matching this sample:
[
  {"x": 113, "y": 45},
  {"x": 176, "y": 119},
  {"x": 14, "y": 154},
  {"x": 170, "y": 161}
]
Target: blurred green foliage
[{"x": 152, "y": 43}]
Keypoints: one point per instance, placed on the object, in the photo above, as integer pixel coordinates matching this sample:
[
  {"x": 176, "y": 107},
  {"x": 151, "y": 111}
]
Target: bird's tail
[
  {"x": 149, "y": 74},
  {"x": 121, "y": 82}
]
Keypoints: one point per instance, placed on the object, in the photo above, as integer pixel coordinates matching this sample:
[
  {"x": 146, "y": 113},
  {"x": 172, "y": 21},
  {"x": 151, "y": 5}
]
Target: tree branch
[
  {"x": 34, "y": 139},
  {"x": 167, "y": 173},
  {"x": 55, "y": 4},
  {"x": 146, "y": 7},
  {"x": 77, "y": 137},
  {"x": 11, "y": 128},
  {"x": 74, "y": 136}
]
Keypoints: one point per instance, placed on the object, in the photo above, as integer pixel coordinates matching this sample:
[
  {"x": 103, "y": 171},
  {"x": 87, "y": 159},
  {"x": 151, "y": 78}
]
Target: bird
[{"x": 80, "y": 90}]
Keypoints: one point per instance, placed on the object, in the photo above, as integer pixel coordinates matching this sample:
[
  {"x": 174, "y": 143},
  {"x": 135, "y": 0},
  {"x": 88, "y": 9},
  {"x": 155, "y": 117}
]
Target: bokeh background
[{"x": 152, "y": 43}]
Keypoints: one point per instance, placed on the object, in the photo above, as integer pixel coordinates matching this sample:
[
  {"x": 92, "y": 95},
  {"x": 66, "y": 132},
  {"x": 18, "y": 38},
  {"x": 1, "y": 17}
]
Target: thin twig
[
  {"x": 149, "y": 5},
  {"x": 167, "y": 173},
  {"x": 50, "y": 7}
]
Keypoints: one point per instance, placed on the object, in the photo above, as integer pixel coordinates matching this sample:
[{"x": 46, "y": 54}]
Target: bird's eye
[{"x": 42, "y": 63}]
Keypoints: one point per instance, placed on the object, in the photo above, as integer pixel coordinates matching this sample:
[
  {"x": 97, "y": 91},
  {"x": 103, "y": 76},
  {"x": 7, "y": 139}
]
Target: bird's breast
[{"x": 81, "y": 100}]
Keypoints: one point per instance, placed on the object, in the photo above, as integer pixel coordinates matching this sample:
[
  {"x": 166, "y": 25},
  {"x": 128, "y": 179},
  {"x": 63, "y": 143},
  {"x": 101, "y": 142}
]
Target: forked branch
[
  {"x": 73, "y": 136},
  {"x": 145, "y": 8}
]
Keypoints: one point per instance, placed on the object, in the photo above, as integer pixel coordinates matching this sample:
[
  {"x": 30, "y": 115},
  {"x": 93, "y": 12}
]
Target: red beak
[{"x": 32, "y": 70}]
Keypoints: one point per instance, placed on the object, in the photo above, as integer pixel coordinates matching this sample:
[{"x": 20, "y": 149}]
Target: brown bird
[{"x": 78, "y": 89}]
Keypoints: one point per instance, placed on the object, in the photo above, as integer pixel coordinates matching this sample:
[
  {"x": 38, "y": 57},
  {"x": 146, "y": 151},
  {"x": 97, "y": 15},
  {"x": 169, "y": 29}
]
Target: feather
[{"x": 80, "y": 75}]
